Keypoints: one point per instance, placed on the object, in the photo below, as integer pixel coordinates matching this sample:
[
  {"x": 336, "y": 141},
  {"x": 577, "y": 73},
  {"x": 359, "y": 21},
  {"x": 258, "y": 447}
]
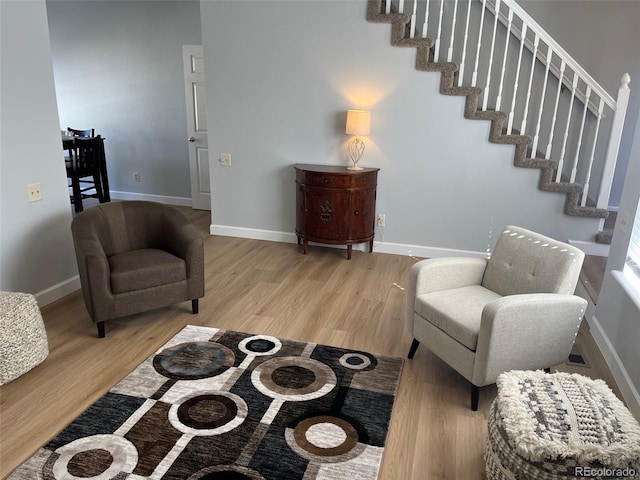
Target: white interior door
[{"x": 196, "y": 97}]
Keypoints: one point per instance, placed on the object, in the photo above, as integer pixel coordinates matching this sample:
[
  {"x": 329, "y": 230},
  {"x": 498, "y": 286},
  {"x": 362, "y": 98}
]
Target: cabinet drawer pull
[
  {"x": 355, "y": 213},
  {"x": 326, "y": 180}
]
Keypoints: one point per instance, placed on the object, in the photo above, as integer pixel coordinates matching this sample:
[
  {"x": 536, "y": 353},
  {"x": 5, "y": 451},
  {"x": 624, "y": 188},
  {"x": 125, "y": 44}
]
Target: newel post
[{"x": 615, "y": 137}]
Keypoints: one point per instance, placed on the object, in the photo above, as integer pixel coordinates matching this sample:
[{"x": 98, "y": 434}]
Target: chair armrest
[
  {"x": 436, "y": 274},
  {"x": 95, "y": 275},
  {"x": 185, "y": 241},
  {"x": 96, "y": 290},
  {"x": 195, "y": 266},
  {"x": 526, "y": 332}
]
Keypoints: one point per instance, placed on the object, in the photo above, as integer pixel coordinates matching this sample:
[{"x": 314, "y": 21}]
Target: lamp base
[{"x": 356, "y": 149}]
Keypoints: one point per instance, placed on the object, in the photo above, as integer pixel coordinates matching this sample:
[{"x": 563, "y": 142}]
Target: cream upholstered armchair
[
  {"x": 136, "y": 256},
  {"x": 515, "y": 311}
]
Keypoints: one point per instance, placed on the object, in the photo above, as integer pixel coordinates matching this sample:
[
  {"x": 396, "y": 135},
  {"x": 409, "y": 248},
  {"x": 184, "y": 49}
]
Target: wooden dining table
[{"x": 69, "y": 144}]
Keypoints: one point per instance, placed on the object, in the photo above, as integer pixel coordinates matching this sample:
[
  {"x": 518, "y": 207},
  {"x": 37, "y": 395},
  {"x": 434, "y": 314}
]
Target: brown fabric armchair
[{"x": 136, "y": 256}]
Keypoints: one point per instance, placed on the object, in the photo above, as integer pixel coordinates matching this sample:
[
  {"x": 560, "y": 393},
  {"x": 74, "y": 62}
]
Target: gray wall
[
  {"x": 36, "y": 250},
  {"x": 137, "y": 34},
  {"x": 118, "y": 69},
  {"x": 603, "y": 36},
  {"x": 277, "y": 94},
  {"x": 616, "y": 323}
]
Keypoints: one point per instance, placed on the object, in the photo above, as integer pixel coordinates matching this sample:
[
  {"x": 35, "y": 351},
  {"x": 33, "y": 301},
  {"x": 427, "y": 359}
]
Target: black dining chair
[
  {"x": 84, "y": 171},
  {"x": 82, "y": 133}
]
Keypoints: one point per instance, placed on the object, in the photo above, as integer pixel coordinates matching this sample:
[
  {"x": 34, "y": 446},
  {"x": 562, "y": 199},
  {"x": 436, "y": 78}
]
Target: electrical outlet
[
  {"x": 225, "y": 159},
  {"x": 34, "y": 193},
  {"x": 624, "y": 221},
  {"x": 136, "y": 176},
  {"x": 381, "y": 219}
]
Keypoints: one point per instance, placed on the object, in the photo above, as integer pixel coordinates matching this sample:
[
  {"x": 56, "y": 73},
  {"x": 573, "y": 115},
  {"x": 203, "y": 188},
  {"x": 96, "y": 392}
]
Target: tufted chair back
[{"x": 527, "y": 262}]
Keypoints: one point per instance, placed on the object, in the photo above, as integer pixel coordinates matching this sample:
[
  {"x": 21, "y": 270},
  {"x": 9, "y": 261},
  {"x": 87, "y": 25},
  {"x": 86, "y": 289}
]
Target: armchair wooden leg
[
  {"x": 194, "y": 306},
  {"x": 101, "y": 330},
  {"x": 475, "y": 396},
  {"x": 413, "y": 348}
]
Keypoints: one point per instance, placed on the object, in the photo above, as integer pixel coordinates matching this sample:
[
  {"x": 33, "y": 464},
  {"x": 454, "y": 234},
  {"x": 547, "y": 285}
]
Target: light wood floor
[{"x": 271, "y": 288}]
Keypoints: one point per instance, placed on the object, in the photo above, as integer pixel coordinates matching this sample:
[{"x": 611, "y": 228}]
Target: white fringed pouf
[
  {"x": 559, "y": 426},
  {"x": 23, "y": 339}
]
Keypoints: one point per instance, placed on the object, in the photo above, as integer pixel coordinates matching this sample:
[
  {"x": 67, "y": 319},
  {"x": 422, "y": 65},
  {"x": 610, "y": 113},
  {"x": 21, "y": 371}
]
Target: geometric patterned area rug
[{"x": 213, "y": 404}]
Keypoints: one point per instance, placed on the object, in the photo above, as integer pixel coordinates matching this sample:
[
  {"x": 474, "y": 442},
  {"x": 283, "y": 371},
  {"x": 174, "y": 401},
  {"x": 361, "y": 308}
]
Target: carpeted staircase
[{"x": 523, "y": 143}]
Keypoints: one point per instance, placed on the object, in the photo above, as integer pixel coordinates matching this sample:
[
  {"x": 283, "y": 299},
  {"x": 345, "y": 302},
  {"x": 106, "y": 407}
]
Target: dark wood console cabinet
[{"x": 335, "y": 205}]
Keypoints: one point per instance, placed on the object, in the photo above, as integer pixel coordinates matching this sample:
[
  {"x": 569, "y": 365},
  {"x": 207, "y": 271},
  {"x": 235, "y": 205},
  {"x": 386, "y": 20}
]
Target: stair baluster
[
  {"x": 453, "y": 31},
  {"x": 574, "y": 170},
  {"x": 585, "y": 192},
  {"x": 464, "y": 47},
  {"x": 425, "y": 25},
  {"x": 523, "y": 126},
  {"x": 487, "y": 88},
  {"x": 515, "y": 87},
  {"x": 574, "y": 85},
  {"x": 552, "y": 129},
  {"x": 436, "y": 49},
  {"x": 412, "y": 27},
  {"x": 503, "y": 70},
  {"x": 474, "y": 78},
  {"x": 536, "y": 137}
]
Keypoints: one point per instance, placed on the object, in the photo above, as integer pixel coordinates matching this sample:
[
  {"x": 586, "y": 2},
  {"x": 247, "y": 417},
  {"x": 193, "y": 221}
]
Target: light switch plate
[
  {"x": 225, "y": 159},
  {"x": 624, "y": 221}
]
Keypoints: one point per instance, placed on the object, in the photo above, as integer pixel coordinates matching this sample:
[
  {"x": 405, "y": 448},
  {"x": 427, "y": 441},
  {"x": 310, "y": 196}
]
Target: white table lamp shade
[{"x": 358, "y": 122}]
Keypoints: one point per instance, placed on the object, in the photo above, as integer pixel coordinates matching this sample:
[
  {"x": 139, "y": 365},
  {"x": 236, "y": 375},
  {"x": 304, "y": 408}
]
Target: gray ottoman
[
  {"x": 559, "y": 426},
  {"x": 23, "y": 339}
]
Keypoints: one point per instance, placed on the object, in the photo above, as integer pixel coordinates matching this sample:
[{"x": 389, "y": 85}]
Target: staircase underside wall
[{"x": 459, "y": 189}]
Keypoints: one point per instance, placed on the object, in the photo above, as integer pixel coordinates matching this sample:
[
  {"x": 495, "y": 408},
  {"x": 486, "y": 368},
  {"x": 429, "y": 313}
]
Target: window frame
[{"x": 629, "y": 277}]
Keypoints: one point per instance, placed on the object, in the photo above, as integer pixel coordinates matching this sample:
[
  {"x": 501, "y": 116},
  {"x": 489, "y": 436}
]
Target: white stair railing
[{"x": 565, "y": 111}]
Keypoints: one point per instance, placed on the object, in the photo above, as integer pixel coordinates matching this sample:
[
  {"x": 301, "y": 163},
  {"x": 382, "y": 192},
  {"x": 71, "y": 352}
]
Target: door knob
[{"x": 192, "y": 139}]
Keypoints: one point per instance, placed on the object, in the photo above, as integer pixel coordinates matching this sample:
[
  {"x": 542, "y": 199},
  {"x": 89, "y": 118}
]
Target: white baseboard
[
  {"x": 57, "y": 291},
  {"x": 628, "y": 389},
  {"x": 379, "y": 247},
  {"x": 166, "y": 199},
  {"x": 253, "y": 233},
  {"x": 591, "y": 248},
  {"x": 270, "y": 235},
  {"x": 423, "y": 251}
]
